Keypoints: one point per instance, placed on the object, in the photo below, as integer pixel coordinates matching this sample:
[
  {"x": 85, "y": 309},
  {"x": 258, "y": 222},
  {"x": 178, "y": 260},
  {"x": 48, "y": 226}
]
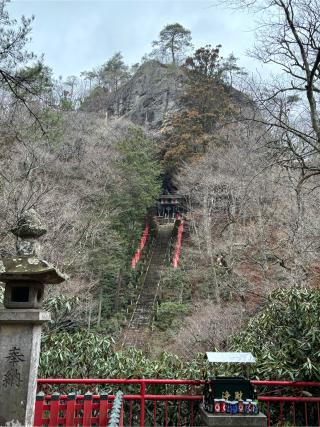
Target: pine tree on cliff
[{"x": 174, "y": 40}]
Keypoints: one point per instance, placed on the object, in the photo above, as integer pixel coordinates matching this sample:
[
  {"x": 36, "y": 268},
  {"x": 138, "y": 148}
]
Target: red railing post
[
  {"x": 154, "y": 413},
  {"x": 121, "y": 417},
  {"x": 142, "y": 403},
  {"x": 294, "y": 413},
  {"x": 103, "y": 410},
  {"x": 130, "y": 413},
  {"x": 54, "y": 409},
  {"x": 87, "y": 409},
  {"x": 71, "y": 410},
  {"x": 38, "y": 412}
]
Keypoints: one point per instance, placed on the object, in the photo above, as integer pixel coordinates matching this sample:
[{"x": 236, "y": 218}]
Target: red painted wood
[
  {"x": 288, "y": 399},
  {"x": 155, "y": 413},
  {"x": 103, "y": 410},
  {"x": 71, "y": 410},
  {"x": 294, "y": 413},
  {"x": 38, "y": 413},
  {"x": 142, "y": 380},
  {"x": 191, "y": 413},
  {"x": 121, "y": 417},
  {"x": 130, "y": 413},
  {"x": 166, "y": 413},
  {"x": 54, "y": 410},
  {"x": 87, "y": 410},
  {"x": 142, "y": 403},
  {"x": 271, "y": 401},
  {"x": 179, "y": 413}
]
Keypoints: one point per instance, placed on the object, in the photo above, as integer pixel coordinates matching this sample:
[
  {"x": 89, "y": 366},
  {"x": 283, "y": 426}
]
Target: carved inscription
[{"x": 12, "y": 377}]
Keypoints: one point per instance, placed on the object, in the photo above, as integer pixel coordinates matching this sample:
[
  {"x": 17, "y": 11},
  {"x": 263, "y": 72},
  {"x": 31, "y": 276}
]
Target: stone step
[{"x": 136, "y": 333}]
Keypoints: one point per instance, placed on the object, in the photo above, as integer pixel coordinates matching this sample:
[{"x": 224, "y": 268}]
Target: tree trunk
[
  {"x": 118, "y": 290},
  {"x": 100, "y": 306},
  {"x": 208, "y": 239}
]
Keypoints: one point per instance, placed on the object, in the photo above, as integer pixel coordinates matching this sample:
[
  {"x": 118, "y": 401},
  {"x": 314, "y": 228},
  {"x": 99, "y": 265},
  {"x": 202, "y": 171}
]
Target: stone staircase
[{"x": 136, "y": 334}]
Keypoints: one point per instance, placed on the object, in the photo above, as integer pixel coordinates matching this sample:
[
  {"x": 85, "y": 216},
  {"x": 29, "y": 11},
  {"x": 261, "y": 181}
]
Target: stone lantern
[{"x": 25, "y": 276}]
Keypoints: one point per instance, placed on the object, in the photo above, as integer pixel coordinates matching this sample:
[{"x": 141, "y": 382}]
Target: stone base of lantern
[
  {"x": 20, "y": 335},
  {"x": 236, "y": 420}
]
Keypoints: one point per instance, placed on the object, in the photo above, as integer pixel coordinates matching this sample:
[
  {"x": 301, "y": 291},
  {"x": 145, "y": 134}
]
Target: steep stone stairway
[{"x": 137, "y": 331}]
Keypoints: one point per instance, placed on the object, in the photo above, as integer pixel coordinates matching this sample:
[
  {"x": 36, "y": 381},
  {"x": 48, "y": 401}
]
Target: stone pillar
[
  {"x": 20, "y": 336},
  {"x": 25, "y": 276}
]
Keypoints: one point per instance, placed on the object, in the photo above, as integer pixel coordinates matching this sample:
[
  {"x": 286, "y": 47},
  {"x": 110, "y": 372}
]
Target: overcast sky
[{"x": 78, "y": 35}]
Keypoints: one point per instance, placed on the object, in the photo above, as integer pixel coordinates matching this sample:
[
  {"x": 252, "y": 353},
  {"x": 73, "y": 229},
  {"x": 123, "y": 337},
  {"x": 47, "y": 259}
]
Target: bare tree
[
  {"x": 288, "y": 37},
  {"x": 242, "y": 207}
]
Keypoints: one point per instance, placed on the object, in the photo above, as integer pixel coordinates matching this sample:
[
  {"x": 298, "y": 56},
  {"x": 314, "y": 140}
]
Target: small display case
[
  {"x": 231, "y": 400},
  {"x": 229, "y": 394}
]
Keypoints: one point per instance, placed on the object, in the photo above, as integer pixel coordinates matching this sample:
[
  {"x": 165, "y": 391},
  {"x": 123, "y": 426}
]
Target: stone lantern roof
[
  {"x": 26, "y": 274},
  {"x": 27, "y": 269},
  {"x": 27, "y": 266},
  {"x": 29, "y": 225}
]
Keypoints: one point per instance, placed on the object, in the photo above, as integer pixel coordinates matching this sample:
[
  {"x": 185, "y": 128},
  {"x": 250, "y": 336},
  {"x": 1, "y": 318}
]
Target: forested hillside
[{"x": 92, "y": 155}]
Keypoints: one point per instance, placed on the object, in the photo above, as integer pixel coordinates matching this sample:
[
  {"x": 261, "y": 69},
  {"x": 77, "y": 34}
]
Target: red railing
[
  {"x": 176, "y": 255},
  {"x": 75, "y": 410},
  {"x": 300, "y": 409},
  {"x": 143, "y": 240},
  {"x": 152, "y": 402}
]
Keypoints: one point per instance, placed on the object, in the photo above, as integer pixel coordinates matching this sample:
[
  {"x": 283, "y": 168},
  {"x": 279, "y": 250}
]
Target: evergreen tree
[
  {"x": 113, "y": 73},
  {"x": 140, "y": 184},
  {"x": 19, "y": 76},
  {"x": 173, "y": 41},
  {"x": 206, "y": 102}
]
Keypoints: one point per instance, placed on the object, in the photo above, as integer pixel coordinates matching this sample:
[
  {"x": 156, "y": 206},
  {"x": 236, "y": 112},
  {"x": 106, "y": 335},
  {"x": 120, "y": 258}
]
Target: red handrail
[
  {"x": 117, "y": 381},
  {"x": 286, "y": 383},
  {"x": 176, "y": 255}
]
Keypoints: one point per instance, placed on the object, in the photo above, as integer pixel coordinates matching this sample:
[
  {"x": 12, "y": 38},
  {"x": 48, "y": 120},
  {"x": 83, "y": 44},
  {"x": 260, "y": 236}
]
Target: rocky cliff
[{"x": 146, "y": 99}]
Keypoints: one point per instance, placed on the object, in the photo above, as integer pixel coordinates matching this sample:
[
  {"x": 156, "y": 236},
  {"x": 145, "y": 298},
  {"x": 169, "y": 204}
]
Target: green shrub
[
  {"x": 88, "y": 354},
  {"x": 169, "y": 315},
  {"x": 285, "y": 336}
]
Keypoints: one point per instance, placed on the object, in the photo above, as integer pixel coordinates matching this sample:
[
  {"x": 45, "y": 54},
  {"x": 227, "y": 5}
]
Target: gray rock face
[{"x": 146, "y": 99}]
